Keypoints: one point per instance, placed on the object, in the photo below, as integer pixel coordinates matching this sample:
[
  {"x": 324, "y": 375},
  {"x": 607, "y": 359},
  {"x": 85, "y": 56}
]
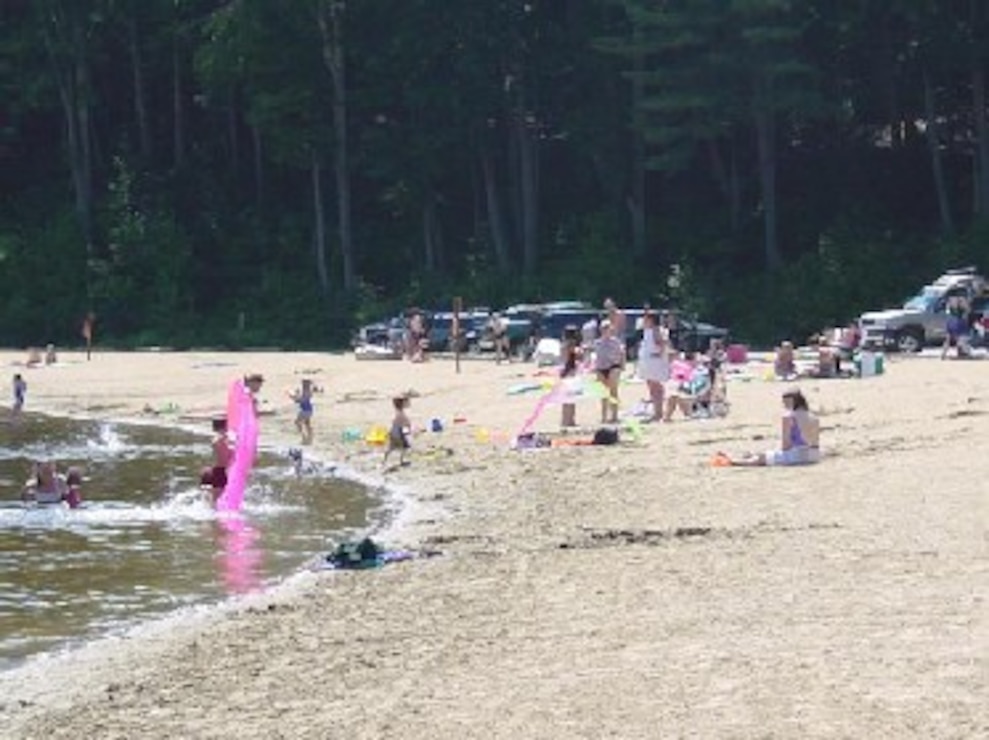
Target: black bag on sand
[
  {"x": 363, "y": 554},
  {"x": 606, "y": 436}
]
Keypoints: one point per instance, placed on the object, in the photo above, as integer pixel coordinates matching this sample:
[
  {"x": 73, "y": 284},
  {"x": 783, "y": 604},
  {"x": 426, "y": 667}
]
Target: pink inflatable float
[{"x": 242, "y": 420}]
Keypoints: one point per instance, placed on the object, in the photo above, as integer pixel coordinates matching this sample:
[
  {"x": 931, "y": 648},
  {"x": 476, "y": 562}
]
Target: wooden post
[{"x": 458, "y": 305}]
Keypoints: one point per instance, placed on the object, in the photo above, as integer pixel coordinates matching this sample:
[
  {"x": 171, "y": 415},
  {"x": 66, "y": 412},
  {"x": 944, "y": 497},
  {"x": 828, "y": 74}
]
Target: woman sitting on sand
[{"x": 800, "y": 434}]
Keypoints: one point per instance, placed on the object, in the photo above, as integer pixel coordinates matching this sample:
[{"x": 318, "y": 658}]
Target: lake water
[{"x": 147, "y": 541}]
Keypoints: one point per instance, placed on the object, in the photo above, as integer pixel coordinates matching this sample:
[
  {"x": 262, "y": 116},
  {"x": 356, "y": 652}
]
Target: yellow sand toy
[{"x": 377, "y": 436}]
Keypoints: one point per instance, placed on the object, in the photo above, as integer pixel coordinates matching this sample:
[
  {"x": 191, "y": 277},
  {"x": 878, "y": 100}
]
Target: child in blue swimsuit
[{"x": 303, "y": 419}]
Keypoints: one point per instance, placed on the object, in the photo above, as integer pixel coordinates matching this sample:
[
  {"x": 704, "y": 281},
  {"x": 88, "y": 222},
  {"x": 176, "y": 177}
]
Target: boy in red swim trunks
[{"x": 216, "y": 477}]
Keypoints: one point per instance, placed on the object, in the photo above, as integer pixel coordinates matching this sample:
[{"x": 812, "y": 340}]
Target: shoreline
[
  {"x": 389, "y": 507},
  {"x": 589, "y": 592}
]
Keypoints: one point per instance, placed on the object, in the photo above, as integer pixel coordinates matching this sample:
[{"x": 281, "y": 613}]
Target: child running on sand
[
  {"x": 401, "y": 429},
  {"x": 303, "y": 419}
]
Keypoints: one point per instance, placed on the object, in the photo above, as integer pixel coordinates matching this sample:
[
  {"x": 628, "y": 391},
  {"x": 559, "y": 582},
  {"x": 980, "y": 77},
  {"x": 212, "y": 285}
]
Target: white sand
[{"x": 625, "y": 592}]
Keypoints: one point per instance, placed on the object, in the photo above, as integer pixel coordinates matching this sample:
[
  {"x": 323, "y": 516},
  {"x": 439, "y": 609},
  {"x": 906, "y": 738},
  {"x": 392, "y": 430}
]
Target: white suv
[{"x": 922, "y": 320}]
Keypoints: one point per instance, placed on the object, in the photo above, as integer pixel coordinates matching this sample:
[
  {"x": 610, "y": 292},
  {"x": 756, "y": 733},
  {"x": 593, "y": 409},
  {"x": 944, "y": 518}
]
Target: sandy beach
[{"x": 632, "y": 591}]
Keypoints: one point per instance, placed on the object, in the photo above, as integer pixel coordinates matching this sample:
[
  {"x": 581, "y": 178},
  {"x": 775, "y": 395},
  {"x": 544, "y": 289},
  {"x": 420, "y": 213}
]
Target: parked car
[
  {"x": 552, "y": 324},
  {"x": 386, "y": 333},
  {"x": 922, "y": 320},
  {"x": 440, "y": 333}
]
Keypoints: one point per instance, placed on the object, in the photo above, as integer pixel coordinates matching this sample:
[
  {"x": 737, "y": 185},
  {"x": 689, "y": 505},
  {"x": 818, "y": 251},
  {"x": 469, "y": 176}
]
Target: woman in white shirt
[{"x": 654, "y": 361}]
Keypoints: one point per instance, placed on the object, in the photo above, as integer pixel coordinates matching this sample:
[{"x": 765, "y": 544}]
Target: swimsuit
[
  {"x": 609, "y": 355},
  {"x": 397, "y": 438},
  {"x": 799, "y": 452},
  {"x": 218, "y": 477},
  {"x": 305, "y": 407}
]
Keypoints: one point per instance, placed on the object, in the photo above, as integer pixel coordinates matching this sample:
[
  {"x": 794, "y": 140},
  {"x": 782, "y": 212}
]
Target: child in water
[
  {"x": 401, "y": 428},
  {"x": 73, "y": 481},
  {"x": 303, "y": 419},
  {"x": 20, "y": 392},
  {"x": 46, "y": 485},
  {"x": 215, "y": 477}
]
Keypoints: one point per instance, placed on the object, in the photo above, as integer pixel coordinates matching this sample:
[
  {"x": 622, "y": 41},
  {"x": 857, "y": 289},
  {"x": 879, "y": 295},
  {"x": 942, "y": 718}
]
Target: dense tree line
[{"x": 266, "y": 171}]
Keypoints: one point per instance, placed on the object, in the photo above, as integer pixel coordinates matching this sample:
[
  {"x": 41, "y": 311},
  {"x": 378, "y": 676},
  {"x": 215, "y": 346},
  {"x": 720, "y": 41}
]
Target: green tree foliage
[{"x": 255, "y": 171}]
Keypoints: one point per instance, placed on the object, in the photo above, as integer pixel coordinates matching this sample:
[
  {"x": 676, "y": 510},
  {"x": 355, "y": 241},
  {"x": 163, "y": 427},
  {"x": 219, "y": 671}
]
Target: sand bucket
[{"x": 377, "y": 436}]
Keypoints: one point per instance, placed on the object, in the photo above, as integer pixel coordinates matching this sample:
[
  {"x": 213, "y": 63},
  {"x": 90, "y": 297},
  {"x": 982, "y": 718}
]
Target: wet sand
[{"x": 629, "y": 592}]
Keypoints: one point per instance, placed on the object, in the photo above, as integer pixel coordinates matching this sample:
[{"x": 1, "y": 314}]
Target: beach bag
[
  {"x": 363, "y": 554},
  {"x": 606, "y": 436}
]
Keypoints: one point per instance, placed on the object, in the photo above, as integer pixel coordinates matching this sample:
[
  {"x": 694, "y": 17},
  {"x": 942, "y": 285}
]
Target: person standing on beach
[
  {"x": 616, "y": 317},
  {"x": 400, "y": 430},
  {"x": 87, "y": 332},
  {"x": 654, "y": 361},
  {"x": 609, "y": 359},
  {"x": 20, "y": 392},
  {"x": 569, "y": 379},
  {"x": 417, "y": 334}
]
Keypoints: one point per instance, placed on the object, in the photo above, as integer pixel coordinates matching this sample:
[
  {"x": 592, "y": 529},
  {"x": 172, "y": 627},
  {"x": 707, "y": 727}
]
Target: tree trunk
[
  {"x": 514, "y": 181},
  {"x": 331, "y": 30},
  {"x": 85, "y": 140},
  {"x": 258, "y": 167},
  {"x": 72, "y": 77},
  {"x": 888, "y": 82},
  {"x": 529, "y": 192},
  {"x": 735, "y": 179},
  {"x": 233, "y": 134},
  {"x": 319, "y": 236},
  {"x": 937, "y": 163},
  {"x": 178, "y": 107},
  {"x": 636, "y": 200},
  {"x": 766, "y": 143},
  {"x": 982, "y": 134},
  {"x": 496, "y": 221},
  {"x": 728, "y": 181},
  {"x": 140, "y": 101},
  {"x": 429, "y": 232}
]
